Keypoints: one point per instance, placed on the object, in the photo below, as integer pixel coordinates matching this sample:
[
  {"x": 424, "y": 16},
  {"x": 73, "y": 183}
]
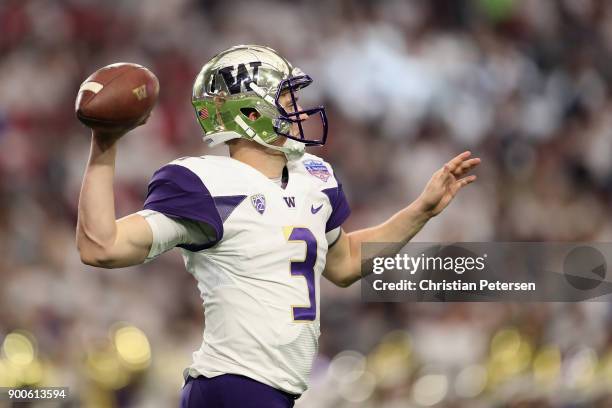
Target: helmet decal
[{"x": 235, "y": 83}]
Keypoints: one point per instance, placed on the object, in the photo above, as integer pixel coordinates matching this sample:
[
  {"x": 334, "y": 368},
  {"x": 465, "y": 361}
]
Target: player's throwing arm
[{"x": 112, "y": 101}]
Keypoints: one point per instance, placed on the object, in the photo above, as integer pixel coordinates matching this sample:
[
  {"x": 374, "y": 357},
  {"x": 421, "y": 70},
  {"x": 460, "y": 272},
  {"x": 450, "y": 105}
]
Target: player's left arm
[{"x": 343, "y": 265}]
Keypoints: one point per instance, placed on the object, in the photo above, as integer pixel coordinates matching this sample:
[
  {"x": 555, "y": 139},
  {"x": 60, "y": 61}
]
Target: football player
[{"x": 256, "y": 229}]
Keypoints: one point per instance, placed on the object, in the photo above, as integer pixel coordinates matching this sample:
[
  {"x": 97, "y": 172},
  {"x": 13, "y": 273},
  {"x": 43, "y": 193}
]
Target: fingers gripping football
[{"x": 117, "y": 98}]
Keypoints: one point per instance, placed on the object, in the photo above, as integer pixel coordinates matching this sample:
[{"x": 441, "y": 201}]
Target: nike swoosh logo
[{"x": 315, "y": 210}]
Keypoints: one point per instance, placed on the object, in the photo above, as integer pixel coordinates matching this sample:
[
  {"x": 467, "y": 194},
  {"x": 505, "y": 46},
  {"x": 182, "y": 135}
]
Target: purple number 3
[{"x": 305, "y": 268}]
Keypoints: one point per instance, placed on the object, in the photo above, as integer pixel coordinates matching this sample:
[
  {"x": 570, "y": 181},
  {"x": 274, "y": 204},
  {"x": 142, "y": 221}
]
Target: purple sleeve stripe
[
  {"x": 226, "y": 205},
  {"x": 177, "y": 192},
  {"x": 340, "y": 207}
]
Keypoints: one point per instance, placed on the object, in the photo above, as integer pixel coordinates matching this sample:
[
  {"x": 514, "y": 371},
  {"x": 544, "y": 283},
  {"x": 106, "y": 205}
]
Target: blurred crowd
[{"x": 524, "y": 84}]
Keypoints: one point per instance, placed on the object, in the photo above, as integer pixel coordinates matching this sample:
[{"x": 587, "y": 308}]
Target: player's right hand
[{"x": 107, "y": 137}]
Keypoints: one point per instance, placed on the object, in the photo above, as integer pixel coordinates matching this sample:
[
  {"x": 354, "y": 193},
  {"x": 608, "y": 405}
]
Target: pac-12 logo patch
[
  {"x": 259, "y": 202},
  {"x": 317, "y": 169}
]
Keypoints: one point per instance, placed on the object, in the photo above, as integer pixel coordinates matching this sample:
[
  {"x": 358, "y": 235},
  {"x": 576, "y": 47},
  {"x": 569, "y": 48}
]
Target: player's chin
[
  {"x": 275, "y": 152},
  {"x": 279, "y": 141},
  {"x": 276, "y": 142}
]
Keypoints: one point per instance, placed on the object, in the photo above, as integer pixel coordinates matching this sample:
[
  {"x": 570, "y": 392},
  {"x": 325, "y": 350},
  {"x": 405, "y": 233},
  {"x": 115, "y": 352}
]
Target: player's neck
[{"x": 268, "y": 162}]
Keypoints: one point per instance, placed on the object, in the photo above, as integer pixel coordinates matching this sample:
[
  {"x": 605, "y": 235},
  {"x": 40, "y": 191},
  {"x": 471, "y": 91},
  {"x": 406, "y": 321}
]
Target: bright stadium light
[
  {"x": 347, "y": 366},
  {"x": 471, "y": 381},
  {"x": 19, "y": 348},
  {"x": 133, "y": 347},
  {"x": 430, "y": 389},
  {"x": 547, "y": 365},
  {"x": 359, "y": 389}
]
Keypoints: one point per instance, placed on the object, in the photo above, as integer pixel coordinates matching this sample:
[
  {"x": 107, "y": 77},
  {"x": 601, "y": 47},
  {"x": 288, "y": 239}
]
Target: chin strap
[
  {"x": 219, "y": 138},
  {"x": 260, "y": 92},
  {"x": 292, "y": 148}
]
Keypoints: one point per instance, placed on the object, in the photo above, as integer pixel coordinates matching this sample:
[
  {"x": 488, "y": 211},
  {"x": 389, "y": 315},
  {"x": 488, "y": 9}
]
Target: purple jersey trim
[
  {"x": 340, "y": 207},
  {"x": 177, "y": 192},
  {"x": 226, "y": 205}
]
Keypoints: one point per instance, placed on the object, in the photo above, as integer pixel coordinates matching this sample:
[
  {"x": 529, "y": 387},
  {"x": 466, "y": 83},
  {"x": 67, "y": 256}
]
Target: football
[{"x": 117, "y": 97}]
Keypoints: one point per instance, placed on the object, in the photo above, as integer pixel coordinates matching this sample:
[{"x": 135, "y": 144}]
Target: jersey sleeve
[
  {"x": 177, "y": 192},
  {"x": 340, "y": 207},
  {"x": 333, "y": 236},
  {"x": 174, "y": 232}
]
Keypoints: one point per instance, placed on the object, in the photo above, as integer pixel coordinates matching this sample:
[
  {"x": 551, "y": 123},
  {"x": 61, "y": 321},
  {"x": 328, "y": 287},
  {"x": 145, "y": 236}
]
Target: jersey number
[{"x": 305, "y": 268}]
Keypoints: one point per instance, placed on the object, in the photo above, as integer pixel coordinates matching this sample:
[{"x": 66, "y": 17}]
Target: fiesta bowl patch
[{"x": 317, "y": 169}]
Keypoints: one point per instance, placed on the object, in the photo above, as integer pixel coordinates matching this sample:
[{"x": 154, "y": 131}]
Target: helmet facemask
[{"x": 296, "y": 118}]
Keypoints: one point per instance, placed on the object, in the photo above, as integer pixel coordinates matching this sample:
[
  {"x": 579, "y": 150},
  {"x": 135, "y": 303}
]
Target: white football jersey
[{"x": 259, "y": 265}]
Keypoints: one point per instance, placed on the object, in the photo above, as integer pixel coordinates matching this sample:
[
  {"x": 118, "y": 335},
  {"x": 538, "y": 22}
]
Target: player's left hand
[{"x": 446, "y": 182}]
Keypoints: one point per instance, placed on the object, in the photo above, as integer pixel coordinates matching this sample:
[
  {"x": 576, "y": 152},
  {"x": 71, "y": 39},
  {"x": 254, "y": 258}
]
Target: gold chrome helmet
[{"x": 248, "y": 78}]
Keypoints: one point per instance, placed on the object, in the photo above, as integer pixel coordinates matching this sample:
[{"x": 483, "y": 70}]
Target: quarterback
[{"x": 256, "y": 229}]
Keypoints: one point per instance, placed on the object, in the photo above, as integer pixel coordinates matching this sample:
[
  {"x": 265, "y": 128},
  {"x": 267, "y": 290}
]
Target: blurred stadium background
[{"x": 525, "y": 84}]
